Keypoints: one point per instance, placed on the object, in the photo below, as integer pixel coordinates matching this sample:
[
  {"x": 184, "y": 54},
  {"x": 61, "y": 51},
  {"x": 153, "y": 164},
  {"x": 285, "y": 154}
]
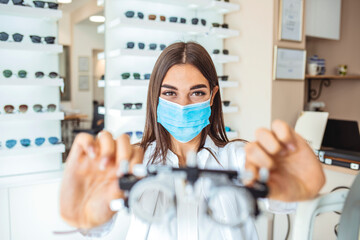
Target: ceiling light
[
  {"x": 64, "y": 1},
  {"x": 98, "y": 19}
]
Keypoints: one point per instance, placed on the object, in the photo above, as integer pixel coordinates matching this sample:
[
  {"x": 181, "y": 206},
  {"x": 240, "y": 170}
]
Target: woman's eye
[
  {"x": 169, "y": 93},
  {"x": 198, "y": 94}
]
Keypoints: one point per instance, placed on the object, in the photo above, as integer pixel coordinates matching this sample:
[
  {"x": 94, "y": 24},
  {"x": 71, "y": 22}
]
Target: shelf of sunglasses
[
  {"x": 169, "y": 26},
  {"x": 228, "y": 84},
  {"x": 222, "y": 58},
  {"x": 36, "y": 47},
  {"x": 58, "y": 82},
  {"x": 232, "y": 134},
  {"x": 57, "y": 148},
  {"x": 119, "y": 83},
  {"x": 32, "y": 12},
  {"x": 31, "y": 116},
  {"x": 230, "y": 109}
]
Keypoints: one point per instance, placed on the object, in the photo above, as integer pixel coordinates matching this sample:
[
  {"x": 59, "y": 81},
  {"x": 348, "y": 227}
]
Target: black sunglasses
[
  {"x": 128, "y": 106},
  {"x": 50, "y": 75},
  {"x": 15, "y": 2},
  {"x": 16, "y": 36},
  {"x": 223, "y": 78},
  {"x": 130, "y": 14},
  {"x": 41, "y": 4},
  {"x": 217, "y": 51},
  {"x": 195, "y": 21},
  {"x": 37, "y": 39},
  {"x": 224, "y": 25}
]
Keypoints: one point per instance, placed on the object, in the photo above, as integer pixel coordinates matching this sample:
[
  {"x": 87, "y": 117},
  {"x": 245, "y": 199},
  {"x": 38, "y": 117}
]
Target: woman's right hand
[{"x": 90, "y": 179}]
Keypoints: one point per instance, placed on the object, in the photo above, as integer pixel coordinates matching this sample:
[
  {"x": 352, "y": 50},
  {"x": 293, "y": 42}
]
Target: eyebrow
[{"x": 192, "y": 88}]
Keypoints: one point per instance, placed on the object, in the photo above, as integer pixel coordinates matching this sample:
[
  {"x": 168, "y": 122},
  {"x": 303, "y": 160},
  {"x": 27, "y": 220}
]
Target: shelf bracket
[{"x": 314, "y": 94}]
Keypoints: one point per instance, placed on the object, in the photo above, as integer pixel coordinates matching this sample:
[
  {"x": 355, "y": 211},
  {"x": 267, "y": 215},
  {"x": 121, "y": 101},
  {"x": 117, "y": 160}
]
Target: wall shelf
[
  {"x": 58, "y": 148},
  {"x": 24, "y": 46},
  {"x": 32, "y": 82},
  {"x": 230, "y": 109},
  {"x": 32, "y": 12},
  {"x": 32, "y": 116},
  {"x": 325, "y": 81}
]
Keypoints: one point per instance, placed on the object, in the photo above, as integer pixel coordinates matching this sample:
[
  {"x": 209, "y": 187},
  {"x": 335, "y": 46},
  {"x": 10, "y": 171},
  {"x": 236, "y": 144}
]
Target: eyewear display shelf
[
  {"x": 18, "y": 90},
  {"x": 120, "y": 29}
]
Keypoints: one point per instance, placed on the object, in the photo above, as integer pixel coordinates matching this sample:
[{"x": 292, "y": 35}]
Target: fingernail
[
  {"x": 103, "y": 163},
  {"x": 291, "y": 147},
  {"x": 123, "y": 168},
  {"x": 91, "y": 152}
]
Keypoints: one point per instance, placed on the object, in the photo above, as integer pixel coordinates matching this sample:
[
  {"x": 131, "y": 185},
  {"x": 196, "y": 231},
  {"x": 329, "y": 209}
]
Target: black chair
[{"x": 97, "y": 123}]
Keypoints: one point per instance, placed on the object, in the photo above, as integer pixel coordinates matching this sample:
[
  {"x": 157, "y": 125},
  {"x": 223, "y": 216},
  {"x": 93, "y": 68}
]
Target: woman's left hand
[{"x": 295, "y": 172}]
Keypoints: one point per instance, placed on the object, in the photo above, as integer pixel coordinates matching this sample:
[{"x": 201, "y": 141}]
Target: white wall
[{"x": 85, "y": 39}]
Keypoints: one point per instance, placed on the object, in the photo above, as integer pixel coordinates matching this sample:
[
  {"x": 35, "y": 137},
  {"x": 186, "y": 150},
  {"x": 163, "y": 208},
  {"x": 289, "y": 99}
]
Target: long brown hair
[{"x": 175, "y": 54}]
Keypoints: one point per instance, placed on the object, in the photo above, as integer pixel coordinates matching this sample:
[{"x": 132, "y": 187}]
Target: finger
[
  {"x": 285, "y": 134},
  {"x": 123, "y": 152},
  {"x": 107, "y": 148},
  {"x": 254, "y": 172},
  {"x": 268, "y": 141},
  {"x": 83, "y": 143},
  {"x": 137, "y": 157},
  {"x": 256, "y": 155}
]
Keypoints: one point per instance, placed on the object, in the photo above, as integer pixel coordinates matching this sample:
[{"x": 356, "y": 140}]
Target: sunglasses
[
  {"x": 41, "y": 4},
  {"x": 8, "y": 73},
  {"x": 17, "y": 37},
  {"x": 224, "y": 0},
  {"x": 226, "y": 103},
  {"x": 195, "y": 21},
  {"x": 223, "y": 78},
  {"x": 128, "y": 106},
  {"x": 131, "y": 14},
  {"x": 15, "y": 2},
  {"x": 25, "y": 142},
  {"x": 50, "y": 75},
  {"x": 224, "y": 25},
  {"x": 38, "y": 39},
  {"x": 131, "y": 45},
  {"x": 23, "y": 108},
  {"x": 138, "y": 134},
  {"x": 217, "y": 51}
]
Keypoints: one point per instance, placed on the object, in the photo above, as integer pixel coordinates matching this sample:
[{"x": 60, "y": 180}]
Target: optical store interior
[{"x": 75, "y": 68}]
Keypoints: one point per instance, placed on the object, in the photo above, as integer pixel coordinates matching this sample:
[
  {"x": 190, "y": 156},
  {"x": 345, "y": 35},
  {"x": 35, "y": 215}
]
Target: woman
[{"x": 184, "y": 114}]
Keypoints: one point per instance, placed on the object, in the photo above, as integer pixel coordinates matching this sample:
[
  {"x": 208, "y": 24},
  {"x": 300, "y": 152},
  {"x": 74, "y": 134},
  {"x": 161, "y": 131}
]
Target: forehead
[{"x": 184, "y": 76}]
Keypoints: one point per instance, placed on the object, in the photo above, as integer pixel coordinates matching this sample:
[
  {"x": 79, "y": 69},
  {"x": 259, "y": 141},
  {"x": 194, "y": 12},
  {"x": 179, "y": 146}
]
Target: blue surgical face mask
[{"x": 183, "y": 122}]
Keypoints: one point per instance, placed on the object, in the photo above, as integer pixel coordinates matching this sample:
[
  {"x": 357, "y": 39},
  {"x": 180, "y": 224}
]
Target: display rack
[
  {"x": 119, "y": 30},
  {"x": 16, "y": 91}
]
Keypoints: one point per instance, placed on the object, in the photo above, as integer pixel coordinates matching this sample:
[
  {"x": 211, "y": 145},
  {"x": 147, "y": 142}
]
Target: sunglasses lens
[
  {"x": 139, "y": 134},
  {"x": 141, "y": 45},
  {"x": 18, "y": 37},
  {"x": 7, "y": 73},
  {"x": 130, "y": 14},
  {"x": 53, "y": 5},
  {"x": 215, "y": 24},
  {"x": 128, "y": 105},
  {"x": 50, "y": 40},
  {"x": 53, "y": 140},
  {"x": 25, "y": 142},
  {"x": 194, "y": 21},
  {"x": 140, "y": 15},
  {"x": 182, "y": 20},
  {"x": 147, "y": 76},
  {"x": 22, "y": 74},
  {"x": 10, "y": 143},
  {"x": 152, "y": 17},
  {"x": 18, "y": 2},
  {"x": 162, "y": 46},
  {"x": 37, "y": 108},
  {"x": 4, "y": 36},
  {"x": 39, "y": 4},
  {"x": 138, "y": 105},
  {"x": 162, "y": 18},
  {"x": 129, "y": 133},
  {"x": 9, "y": 109},
  {"x": 39, "y": 74},
  {"x": 203, "y": 22},
  {"x": 216, "y": 51},
  {"x": 173, "y": 19},
  {"x": 130, "y": 45},
  {"x": 35, "y": 39},
  {"x": 51, "y": 108},
  {"x": 225, "y": 51},
  {"x": 23, "y": 108},
  {"x": 53, "y": 75},
  {"x": 152, "y": 46},
  {"x": 125, "y": 75},
  {"x": 136, "y": 76},
  {"x": 39, "y": 141},
  {"x": 225, "y": 25},
  {"x": 4, "y": 1}
]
